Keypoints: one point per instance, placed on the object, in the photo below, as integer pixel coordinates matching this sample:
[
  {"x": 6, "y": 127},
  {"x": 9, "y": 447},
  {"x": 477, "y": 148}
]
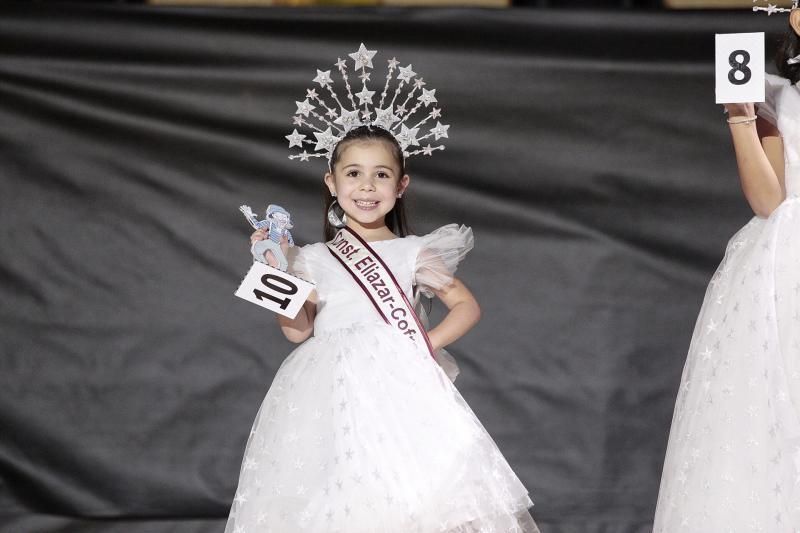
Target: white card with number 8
[
  {"x": 274, "y": 289},
  {"x": 740, "y": 67}
]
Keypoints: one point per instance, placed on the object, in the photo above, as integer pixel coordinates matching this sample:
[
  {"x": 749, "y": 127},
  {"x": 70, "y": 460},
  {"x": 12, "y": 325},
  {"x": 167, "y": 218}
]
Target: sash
[{"x": 379, "y": 284}]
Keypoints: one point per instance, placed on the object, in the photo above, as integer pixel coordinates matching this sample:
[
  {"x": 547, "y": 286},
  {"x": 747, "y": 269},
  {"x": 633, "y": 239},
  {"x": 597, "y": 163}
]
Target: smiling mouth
[{"x": 363, "y": 204}]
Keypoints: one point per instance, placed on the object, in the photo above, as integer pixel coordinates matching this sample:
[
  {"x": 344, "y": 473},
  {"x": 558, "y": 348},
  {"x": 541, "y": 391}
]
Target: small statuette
[
  {"x": 272, "y": 250},
  {"x": 267, "y": 283}
]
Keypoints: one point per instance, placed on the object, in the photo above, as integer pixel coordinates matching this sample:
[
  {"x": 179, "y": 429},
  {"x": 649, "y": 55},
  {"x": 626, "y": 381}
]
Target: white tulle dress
[
  {"x": 733, "y": 459},
  {"x": 361, "y": 432}
]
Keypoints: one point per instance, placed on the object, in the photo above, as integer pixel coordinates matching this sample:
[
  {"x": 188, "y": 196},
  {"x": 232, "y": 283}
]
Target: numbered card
[
  {"x": 274, "y": 289},
  {"x": 740, "y": 67}
]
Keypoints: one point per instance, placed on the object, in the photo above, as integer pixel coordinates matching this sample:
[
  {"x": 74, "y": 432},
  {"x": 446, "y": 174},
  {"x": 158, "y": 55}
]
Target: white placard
[
  {"x": 740, "y": 67},
  {"x": 274, "y": 289}
]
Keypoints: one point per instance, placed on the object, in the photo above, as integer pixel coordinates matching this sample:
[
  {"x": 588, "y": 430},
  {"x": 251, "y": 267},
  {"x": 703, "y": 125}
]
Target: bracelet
[{"x": 741, "y": 120}]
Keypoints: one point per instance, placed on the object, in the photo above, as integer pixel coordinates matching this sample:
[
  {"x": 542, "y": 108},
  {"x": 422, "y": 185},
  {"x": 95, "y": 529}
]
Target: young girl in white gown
[
  {"x": 733, "y": 459},
  {"x": 361, "y": 431}
]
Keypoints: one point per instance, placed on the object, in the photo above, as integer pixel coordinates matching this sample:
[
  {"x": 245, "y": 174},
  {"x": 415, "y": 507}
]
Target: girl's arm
[
  {"x": 299, "y": 328},
  {"x": 464, "y": 313},
  {"x": 760, "y": 166}
]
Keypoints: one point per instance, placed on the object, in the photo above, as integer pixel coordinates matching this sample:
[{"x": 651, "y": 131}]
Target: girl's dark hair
[
  {"x": 396, "y": 219},
  {"x": 789, "y": 47}
]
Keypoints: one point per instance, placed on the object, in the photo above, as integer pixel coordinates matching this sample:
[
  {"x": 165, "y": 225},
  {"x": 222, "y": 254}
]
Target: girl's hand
[
  {"x": 258, "y": 235},
  {"x": 741, "y": 110}
]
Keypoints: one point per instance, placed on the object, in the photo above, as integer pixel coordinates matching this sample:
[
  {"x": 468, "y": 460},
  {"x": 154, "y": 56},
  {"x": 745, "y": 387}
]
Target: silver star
[
  {"x": 428, "y": 97},
  {"x": 311, "y": 93},
  {"x": 428, "y": 150},
  {"x": 365, "y": 116},
  {"x": 331, "y": 113},
  {"x": 419, "y": 83},
  {"x": 384, "y": 118},
  {"x": 298, "y": 121},
  {"x": 325, "y": 140},
  {"x": 340, "y": 63},
  {"x": 401, "y": 110},
  {"x": 365, "y": 77},
  {"x": 304, "y": 107},
  {"x": 348, "y": 120},
  {"x": 436, "y": 113},
  {"x": 295, "y": 139},
  {"x": 406, "y": 74},
  {"x": 304, "y": 156},
  {"x": 407, "y": 136},
  {"x": 365, "y": 96},
  {"x": 323, "y": 78},
  {"x": 393, "y": 62},
  {"x": 440, "y": 130},
  {"x": 363, "y": 57}
]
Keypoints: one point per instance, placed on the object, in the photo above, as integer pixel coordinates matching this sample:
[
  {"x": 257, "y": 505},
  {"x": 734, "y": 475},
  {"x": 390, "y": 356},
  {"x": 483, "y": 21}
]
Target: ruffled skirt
[
  {"x": 733, "y": 459},
  {"x": 362, "y": 433}
]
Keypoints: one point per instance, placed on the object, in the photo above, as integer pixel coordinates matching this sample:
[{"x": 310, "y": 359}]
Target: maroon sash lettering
[{"x": 379, "y": 284}]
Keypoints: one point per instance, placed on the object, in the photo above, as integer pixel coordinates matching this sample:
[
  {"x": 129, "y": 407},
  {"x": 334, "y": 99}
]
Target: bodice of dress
[
  {"x": 342, "y": 303},
  {"x": 782, "y": 108},
  {"x": 428, "y": 261}
]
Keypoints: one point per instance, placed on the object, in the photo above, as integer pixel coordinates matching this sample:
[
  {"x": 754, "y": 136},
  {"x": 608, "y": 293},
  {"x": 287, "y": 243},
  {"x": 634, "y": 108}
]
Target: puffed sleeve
[
  {"x": 768, "y": 110},
  {"x": 439, "y": 254},
  {"x": 301, "y": 262}
]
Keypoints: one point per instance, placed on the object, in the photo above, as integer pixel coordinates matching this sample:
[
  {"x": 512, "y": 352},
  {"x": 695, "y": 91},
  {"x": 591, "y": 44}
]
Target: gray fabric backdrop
[{"x": 585, "y": 151}]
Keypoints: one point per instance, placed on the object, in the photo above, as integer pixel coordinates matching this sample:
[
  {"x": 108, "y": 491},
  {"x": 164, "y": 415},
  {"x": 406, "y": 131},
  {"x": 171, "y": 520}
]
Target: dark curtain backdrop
[{"x": 585, "y": 150}]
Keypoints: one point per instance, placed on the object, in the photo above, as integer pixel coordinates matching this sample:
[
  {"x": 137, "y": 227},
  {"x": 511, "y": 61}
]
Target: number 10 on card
[
  {"x": 274, "y": 289},
  {"x": 740, "y": 67}
]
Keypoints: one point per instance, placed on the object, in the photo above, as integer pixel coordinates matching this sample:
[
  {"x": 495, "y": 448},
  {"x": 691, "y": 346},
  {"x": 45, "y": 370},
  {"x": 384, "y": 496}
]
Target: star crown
[
  {"x": 330, "y": 120},
  {"x": 771, "y": 8}
]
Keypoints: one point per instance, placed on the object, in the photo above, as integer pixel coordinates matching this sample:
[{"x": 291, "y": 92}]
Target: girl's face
[{"x": 366, "y": 183}]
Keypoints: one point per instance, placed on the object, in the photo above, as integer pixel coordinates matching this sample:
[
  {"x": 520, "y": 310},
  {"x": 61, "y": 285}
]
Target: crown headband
[
  {"x": 772, "y": 8},
  {"x": 330, "y": 127}
]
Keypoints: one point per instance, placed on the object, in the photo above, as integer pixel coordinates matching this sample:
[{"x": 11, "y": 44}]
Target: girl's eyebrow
[{"x": 384, "y": 167}]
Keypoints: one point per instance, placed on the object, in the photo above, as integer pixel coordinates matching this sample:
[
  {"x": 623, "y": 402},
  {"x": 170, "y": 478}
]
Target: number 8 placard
[
  {"x": 274, "y": 289},
  {"x": 740, "y": 67}
]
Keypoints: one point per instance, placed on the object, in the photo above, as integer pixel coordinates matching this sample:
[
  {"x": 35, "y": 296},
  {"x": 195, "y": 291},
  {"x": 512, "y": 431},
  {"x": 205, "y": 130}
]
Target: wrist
[
  {"x": 434, "y": 343},
  {"x": 741, "y": 120}
]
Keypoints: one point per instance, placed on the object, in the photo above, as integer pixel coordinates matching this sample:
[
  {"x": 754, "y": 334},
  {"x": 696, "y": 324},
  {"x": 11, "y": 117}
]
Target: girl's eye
[
  {"x": 383, "y": 175},
  {"x": 352, "y": 173}
]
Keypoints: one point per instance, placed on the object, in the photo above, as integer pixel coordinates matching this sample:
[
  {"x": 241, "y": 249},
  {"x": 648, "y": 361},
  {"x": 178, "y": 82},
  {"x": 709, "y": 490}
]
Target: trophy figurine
[
  {"x": 267, "y": 283},
  {"x": 272, "y": 250}
]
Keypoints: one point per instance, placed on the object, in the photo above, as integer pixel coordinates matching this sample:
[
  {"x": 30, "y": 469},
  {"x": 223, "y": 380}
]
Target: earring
[
  {"x": 399, "y": 195},
  {"x": 337, "y": 220}
]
